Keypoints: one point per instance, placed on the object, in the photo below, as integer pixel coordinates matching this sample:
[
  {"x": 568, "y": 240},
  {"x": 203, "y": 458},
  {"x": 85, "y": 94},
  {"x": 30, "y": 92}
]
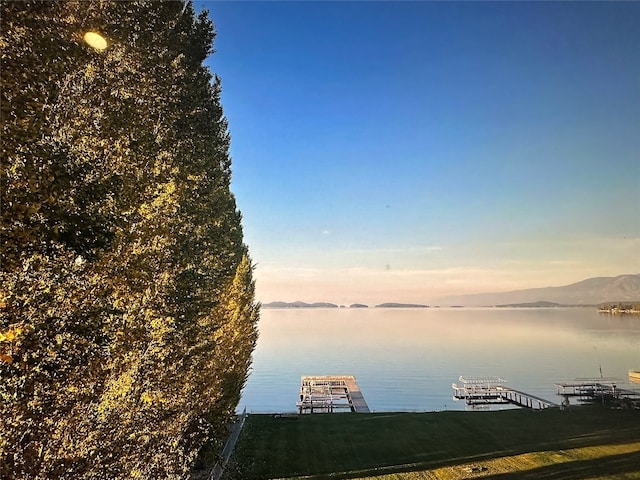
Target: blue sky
[{"x": 402, "y": 151}]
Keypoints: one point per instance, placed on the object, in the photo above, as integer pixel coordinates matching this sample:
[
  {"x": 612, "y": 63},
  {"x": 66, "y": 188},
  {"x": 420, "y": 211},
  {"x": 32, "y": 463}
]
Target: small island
[
  {"x": 299, "y": 305},
  {"x": 401, "y": 305},
  {"x": 538, "y": 304}
]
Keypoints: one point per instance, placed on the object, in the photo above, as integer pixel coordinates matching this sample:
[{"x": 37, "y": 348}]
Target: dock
[
  {"x": 595, "y": 389},
  {"x": 331, "y": 393},
  {"x": 493, "y": 391}
]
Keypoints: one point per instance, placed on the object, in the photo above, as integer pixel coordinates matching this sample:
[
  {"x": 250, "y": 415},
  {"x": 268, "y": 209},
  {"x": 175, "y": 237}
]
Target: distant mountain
[
  {"x": 358, "y": 305},
  {"x": 593, "y": 291},
  {"x": 299, "y": 305},
  {"x": 401, "y": 305}
]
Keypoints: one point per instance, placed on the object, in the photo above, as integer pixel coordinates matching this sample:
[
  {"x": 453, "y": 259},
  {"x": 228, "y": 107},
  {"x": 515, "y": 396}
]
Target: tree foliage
[{"x": 127, "y": 311}]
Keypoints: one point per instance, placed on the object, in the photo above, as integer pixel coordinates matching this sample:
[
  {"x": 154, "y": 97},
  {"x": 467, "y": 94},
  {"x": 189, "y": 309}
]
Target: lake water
[{"x": 407, "y": 359}]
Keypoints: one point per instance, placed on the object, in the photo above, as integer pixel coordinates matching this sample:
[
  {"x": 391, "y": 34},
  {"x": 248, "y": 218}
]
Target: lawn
[{"x": 582, "y": 442}]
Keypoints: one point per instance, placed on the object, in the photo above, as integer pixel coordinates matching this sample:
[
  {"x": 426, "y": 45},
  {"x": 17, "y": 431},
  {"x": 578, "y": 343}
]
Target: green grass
[{"x": 503, "y": 444}]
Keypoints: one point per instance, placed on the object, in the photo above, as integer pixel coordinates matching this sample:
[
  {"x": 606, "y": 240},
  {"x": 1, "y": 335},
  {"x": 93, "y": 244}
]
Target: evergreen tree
[{"x": 127, "y": 314}]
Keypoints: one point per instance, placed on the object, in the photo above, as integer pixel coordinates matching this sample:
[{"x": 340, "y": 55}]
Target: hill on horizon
[
  {"x": 299, "y": 304},
  {"x": 592, "y": 291}
]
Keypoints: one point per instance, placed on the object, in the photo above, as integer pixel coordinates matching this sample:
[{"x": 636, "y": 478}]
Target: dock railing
[
  {"x": 328, "y": 393},
  {"x": 492, "y": 390}
]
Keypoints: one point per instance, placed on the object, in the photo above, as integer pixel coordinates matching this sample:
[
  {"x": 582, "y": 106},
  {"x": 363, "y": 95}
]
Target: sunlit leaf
[{"x": 6, "y": 358}]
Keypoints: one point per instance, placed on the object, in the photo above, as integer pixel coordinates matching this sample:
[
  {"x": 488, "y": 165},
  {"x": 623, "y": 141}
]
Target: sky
[{"x": 404, "y": 151}]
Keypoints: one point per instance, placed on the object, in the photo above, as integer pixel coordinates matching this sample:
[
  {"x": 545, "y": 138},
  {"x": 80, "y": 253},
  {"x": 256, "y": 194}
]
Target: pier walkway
[
  {"x": 526, "y": 400},
  {"x": 492, "y": 390},
  {"x": 330, "y": 393}
]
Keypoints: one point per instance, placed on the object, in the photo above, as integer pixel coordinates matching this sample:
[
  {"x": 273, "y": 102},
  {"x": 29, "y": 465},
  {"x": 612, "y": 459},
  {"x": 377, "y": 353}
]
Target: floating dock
[
  {"x": 587, "y": 388},
  {"x": 595, "y": 389},
  {"x": 330, "y": 393},
  {"x": 492, "y": 390}
]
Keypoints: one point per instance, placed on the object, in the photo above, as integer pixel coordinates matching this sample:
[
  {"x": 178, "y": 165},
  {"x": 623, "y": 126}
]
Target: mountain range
[
  {"x": 299, "y": 304},
  {"x": 593, "y": 291}
]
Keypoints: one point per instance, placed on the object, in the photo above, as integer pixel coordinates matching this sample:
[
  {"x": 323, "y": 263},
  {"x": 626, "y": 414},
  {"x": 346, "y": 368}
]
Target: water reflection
[{"x": 406, "y": 359}]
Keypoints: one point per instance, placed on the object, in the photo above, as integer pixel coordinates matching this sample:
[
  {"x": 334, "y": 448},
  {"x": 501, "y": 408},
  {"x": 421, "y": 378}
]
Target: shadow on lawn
[
  {"x": 607, "y": 465},
  {"x": 610, "y": 465}
]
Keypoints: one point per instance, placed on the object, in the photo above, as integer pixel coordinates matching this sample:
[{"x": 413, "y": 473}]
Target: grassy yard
[{"x": 585, "y": 442}]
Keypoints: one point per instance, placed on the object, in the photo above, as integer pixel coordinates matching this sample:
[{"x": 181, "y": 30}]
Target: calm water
[{"x": 407, "y": 359}]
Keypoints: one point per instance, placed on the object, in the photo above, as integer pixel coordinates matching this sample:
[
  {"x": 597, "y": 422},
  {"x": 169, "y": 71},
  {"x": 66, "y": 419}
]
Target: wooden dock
[
  {"x": 330, "y": 393},
  {"x": 492, "y": 390}
]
